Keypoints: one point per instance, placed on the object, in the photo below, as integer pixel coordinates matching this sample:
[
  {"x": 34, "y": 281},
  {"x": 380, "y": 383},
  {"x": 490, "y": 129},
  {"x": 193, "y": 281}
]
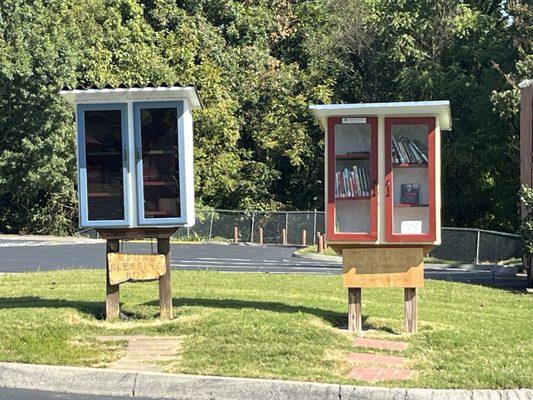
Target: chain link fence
[
  {"x": 465, "y": 245},
  {"x": 458, "y": 244}
]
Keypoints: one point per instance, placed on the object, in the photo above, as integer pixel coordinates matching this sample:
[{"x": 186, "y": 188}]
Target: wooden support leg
[
  {"x": 355, "y": 319},
  {"x": 112, "y": 299},
  {"x": 411, "y": 310},
  {"x": 165, "y": 288}
]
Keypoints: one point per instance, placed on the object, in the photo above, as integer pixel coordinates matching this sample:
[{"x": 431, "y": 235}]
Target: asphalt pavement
[
  {"x": 26, "y": 394},
  {"x": 20, "y": 254}
]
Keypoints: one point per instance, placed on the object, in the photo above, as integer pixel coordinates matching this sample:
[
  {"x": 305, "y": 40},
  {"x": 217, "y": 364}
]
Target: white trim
[
  {"x": 188, "y": 156},
  {"x": 173, "y": 93},
  {"x": 439, "y": 109}
]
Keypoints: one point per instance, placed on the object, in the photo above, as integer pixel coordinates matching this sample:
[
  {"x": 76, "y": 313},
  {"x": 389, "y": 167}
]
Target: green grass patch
[
  {"x": 272, "y": 326},
  {"x": 312, "y": 249}
]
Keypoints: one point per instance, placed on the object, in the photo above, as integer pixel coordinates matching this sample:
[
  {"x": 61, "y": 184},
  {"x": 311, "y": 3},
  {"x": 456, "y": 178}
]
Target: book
[
  {"x": 397, "y": 151},
  {"x": 367, "y": 181},
  {"x": 408, "y": 151},
  {"x": 409, "y": 193},
  {"x": 418, "y": 147},
  {"x": 353, "y": 182},
  {"x": 357, "y": 180}
]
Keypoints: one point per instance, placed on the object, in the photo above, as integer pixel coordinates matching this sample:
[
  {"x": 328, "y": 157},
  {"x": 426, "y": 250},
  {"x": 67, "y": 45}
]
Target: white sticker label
[
  {"x": 411, "y": 227},
  {"x": 354, "y": 120}
]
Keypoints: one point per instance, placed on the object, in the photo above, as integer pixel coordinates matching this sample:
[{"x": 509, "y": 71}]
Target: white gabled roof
[
  {"x": 439, "y": 108},
  {"x": 110, "y": 95}
]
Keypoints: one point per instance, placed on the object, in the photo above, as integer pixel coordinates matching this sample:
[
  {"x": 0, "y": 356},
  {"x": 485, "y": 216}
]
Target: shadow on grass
[
  {"x": 97, "y": 309},
  {"x": 335, "y": 319},
  {"x": 92, "y": 308}
]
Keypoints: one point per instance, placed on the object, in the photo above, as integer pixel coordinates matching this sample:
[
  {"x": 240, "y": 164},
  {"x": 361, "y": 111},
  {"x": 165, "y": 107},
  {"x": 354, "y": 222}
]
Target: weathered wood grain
[
  {"x": 135, "y": 267},
  {"x": 383, "y": 267}
]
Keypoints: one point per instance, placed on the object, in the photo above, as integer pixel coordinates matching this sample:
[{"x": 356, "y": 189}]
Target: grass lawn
[{"x": 272, "y": 326}]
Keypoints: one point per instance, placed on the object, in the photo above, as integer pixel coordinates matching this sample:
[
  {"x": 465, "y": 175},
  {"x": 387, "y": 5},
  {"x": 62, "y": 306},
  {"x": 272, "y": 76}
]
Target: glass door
[
  {"x": 410, "y": 179},
  {"x": 102, "y": 153},
  {"x": 157, "y": 150},
  {"x": 352, "y": 178}
]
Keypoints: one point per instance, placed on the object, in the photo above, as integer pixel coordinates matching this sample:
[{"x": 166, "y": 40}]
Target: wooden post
[
  {"x": 411, "y": 310},
  {"x": 321, "y": 244},
  {"x": 304, "y": 237},
  {"x": 235, "y": 234},
  {"x": 283, "y": 236},
  {"x": 260, "y": 235},
  {"x": 324, "y": 242},
  {"x": 112, "y": 299},
  {"x": 355, "y": 317},
  {"x": 165, "y": 287},
  {"x": 318, "y": 242}
]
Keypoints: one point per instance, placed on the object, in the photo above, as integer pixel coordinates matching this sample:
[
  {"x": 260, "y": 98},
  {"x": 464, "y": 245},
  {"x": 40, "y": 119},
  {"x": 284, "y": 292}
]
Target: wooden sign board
[
  {"x": 135, "y": 267},
  {"x": 383, "y": 267}
]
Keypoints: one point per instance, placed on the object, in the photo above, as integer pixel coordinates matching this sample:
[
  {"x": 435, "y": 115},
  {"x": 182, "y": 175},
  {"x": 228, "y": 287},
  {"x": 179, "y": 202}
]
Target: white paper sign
[
  {"x": 411, "y": 227},
  {"x": 354, "y": 120}
]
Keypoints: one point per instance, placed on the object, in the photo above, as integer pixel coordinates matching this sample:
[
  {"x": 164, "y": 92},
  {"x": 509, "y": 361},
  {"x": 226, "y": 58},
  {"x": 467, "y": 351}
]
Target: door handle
[
  {"x": 125, "y": 152},
  {"x": 137, "y": 153},
  {"x": 373, "y": 191},
  {"x": 387, "y": 186}
]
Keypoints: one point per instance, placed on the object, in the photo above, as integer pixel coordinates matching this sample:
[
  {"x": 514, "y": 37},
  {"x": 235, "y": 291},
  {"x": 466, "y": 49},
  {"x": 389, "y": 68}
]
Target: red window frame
[
  {"x": 330, "y": 229},
  {"x": 390, "y": 236}
]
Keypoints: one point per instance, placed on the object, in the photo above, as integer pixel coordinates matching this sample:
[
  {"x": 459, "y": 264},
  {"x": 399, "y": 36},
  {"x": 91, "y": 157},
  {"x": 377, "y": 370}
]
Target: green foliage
[
  {"x": 526, "y": 229},
  {"x": 446, "y": 49},
  {"x": 258, "y": 64}
]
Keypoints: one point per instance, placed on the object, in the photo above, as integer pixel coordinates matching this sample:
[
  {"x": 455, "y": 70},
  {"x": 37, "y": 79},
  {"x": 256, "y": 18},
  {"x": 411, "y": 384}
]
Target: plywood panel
[
  {"x": 135, "y": 267},
  {"x": 383, "y": 267}
]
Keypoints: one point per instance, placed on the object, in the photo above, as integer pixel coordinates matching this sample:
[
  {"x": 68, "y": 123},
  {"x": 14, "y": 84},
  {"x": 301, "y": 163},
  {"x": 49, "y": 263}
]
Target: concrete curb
[
  {"x": 194, "y": 387},
  {"x": 318, "y": 257}
]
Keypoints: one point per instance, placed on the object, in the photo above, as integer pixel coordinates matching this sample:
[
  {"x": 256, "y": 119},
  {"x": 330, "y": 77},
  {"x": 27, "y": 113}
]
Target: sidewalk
[{"x": 188, "y": 387}]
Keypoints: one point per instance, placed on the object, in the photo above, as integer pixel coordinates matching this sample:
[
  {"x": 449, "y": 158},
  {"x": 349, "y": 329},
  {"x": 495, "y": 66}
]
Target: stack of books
[
  {"x": 408, "y": 151},
  {"x": 352, "y": 183}
]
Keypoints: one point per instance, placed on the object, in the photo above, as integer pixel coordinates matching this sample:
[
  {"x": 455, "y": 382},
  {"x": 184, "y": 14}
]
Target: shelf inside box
[
  {"x": 159, "y": 213},
  {"x": 160, "y": 152},
  {"x": 405, "y": 205},
  {"x": 159, "y": 183},
  {"x": 103, "y": 153},
  {"x": 361, "y": 155},
  {"x": 104, "y": 194},
  {"x": 410, "y": 165},
  {"x": 353, "y": 198}
]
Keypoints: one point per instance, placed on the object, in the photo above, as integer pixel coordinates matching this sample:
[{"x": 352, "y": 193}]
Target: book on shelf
[
  {"x": 353, "y": 182},
  {"x": 409, "y": 193},
  {"x": 408, "y": 151}
]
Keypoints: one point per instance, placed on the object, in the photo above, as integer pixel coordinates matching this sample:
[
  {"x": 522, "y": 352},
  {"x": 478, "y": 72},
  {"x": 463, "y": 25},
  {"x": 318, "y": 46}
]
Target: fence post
[
  {"x": 260, "y": 236},
  {"x": 252, "y": 228},
  {"x": 477, "y": 246},
  {"x": 235, "y": 234},
  {"x": 304, "y": 237},
  {"x": 314, "y": 228},
  {"x": 211, "y": 225},
  {"x": 286, "y": 227},
  {"x": 321, "y": 243},
  {"x": 283, "y": 235}
]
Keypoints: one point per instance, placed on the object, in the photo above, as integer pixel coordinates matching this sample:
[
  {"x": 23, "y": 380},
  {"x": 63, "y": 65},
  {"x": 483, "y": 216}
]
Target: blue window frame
[
  {"x": 103, "y": 187},
  {"x": 160, "y": 164}
]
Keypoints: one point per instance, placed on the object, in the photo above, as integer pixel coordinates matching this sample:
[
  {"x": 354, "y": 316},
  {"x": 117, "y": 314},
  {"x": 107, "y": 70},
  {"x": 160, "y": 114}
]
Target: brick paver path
[
  {"x": 376, "y": 359},
  {"x": 377, "y": 367},
  {"x": 144, "y": 352},
  {"x": 380, "y": 374}
]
